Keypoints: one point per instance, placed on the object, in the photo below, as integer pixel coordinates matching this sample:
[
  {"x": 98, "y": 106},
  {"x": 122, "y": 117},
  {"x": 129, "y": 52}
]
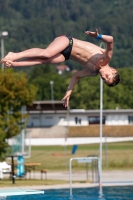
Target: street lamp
[
  {"x": 2, "y": 35},
  {"x": 52, "y": 93}
]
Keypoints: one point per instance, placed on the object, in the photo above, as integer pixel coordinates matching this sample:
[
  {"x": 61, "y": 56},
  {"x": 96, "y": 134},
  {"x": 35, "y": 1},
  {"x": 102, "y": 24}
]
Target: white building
[{"x": 51, "y": 113}]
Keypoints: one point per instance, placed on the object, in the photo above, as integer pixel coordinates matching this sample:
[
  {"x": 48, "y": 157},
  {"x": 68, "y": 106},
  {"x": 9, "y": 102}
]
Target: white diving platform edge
[{"x": 14, "y": 192}]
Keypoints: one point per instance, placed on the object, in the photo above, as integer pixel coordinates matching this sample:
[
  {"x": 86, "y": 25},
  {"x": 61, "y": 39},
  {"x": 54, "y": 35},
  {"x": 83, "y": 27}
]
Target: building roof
[
  {"x": 62, "y": 67},
  {"x": 57, "y": 107},
  {"x": 46, "y": 106}
]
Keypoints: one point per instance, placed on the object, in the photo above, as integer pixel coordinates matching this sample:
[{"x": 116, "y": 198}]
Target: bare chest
[
  {"x": 87, "y": 53},
  {"x": 99, "y": 59}
]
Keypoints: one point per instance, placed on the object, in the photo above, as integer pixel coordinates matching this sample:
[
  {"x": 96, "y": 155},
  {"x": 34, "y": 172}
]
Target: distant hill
[{"x": 33, "y": 23}]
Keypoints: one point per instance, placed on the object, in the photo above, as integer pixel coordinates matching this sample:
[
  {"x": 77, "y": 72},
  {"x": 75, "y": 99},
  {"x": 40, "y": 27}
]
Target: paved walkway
[
  {"x": 115, "y": 177},
  {"x": 72, "y": 141},
  {"x": 107, "y": 176}
]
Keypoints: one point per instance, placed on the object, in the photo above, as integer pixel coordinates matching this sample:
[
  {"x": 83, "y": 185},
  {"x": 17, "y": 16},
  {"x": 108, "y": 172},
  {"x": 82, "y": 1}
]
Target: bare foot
[
  {"x": 8, "y": 63},
  {"x": 10, "y": 56}
]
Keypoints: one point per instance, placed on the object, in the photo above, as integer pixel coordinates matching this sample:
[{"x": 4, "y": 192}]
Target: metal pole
[
  {"x": 52, "y": 93},
  {"x": 40, "y": 119},
  {"x": 101, "y": 119},
  {"x": 23, "y": 142},
  {"x": 13, "y": 175},
  {"x": 86, "y": 171},
  {"x": 66, "y": 135},
  {"x": 29, "y": 145},
  {"x": 70, "y": 169},
  {"x": 38, "y": 107},
  {"x": 2, "y": 52},
  {"x": 106, "y": 151},
  {"x": 2, "y": 35},
  {"x": 101, "y": 116}
]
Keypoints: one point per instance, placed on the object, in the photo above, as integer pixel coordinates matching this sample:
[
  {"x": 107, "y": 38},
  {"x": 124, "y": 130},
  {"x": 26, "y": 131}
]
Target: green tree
[
  {"x": 86, "y": 94},
  {"x": 15, "y": 92},
  {"x": 41, "y": 77}
]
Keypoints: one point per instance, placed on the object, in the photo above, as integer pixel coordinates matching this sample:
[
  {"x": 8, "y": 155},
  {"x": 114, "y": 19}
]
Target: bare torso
[{"x": 89, "y": 55}]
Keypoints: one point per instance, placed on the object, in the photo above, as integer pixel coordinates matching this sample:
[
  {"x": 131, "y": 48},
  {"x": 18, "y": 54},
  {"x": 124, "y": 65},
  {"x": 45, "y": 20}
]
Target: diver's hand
[
  {"x": 92, "y": 34},
  {"x": 66, "y": 98}
]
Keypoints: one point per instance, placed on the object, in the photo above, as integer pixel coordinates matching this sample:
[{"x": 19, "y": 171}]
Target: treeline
[
  {"x": 86, "y": 93},
  {"x": 32, "y": 23}
]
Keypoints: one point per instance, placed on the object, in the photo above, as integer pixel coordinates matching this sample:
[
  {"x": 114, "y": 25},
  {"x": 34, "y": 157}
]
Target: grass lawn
[
  {"x": 23, "y": 182},
  {"x": 56, "y": 158},
  {"x": 116, "y": 156}
]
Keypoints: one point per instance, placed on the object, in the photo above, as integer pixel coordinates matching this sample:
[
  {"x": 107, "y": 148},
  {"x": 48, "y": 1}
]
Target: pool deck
[{"x": 109, "y": 178}]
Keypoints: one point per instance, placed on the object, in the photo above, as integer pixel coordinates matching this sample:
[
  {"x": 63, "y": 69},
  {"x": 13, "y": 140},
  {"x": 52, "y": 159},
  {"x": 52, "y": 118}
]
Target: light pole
[
  {"x": 52, "y": 93},
  {"x": 102, "y": 45},
  {"x": 2, "y": 35},
  {"x": 38, "y": 107}
]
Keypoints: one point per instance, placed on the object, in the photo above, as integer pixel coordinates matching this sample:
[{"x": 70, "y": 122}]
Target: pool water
[{"x": 107, "y": 193}]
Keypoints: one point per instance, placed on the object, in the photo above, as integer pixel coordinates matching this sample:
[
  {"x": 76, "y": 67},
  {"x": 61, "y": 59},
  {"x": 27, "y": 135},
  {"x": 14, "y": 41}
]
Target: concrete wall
[
  {"x": 117, "y": 120},
  {"x": 74, "y": 119},
  {"x": 36, "y": 120}
]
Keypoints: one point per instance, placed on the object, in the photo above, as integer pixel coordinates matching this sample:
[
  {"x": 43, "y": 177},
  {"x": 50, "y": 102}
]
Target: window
[
  {"x": 48, "y": 117},
  {"x": 62, "y": 117},
  {"x": 78, "y": 120},
  {"x": 130, "y": 119},
  {"x": 96, "y": 120},
  {"x": 35, "y": 117}
]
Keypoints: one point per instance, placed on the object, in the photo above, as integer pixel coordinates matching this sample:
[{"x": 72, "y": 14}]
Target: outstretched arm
[
  {"x": 75, "y": 78},
  {"x": 105, "y": 38}
]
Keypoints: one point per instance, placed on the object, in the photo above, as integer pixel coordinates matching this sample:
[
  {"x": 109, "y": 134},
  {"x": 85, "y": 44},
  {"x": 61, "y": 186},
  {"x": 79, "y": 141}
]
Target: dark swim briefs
[{"x": 67, "y": 51}]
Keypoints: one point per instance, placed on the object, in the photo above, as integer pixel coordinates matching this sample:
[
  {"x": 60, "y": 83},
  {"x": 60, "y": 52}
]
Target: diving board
[{"x": 13, "y": 192}]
